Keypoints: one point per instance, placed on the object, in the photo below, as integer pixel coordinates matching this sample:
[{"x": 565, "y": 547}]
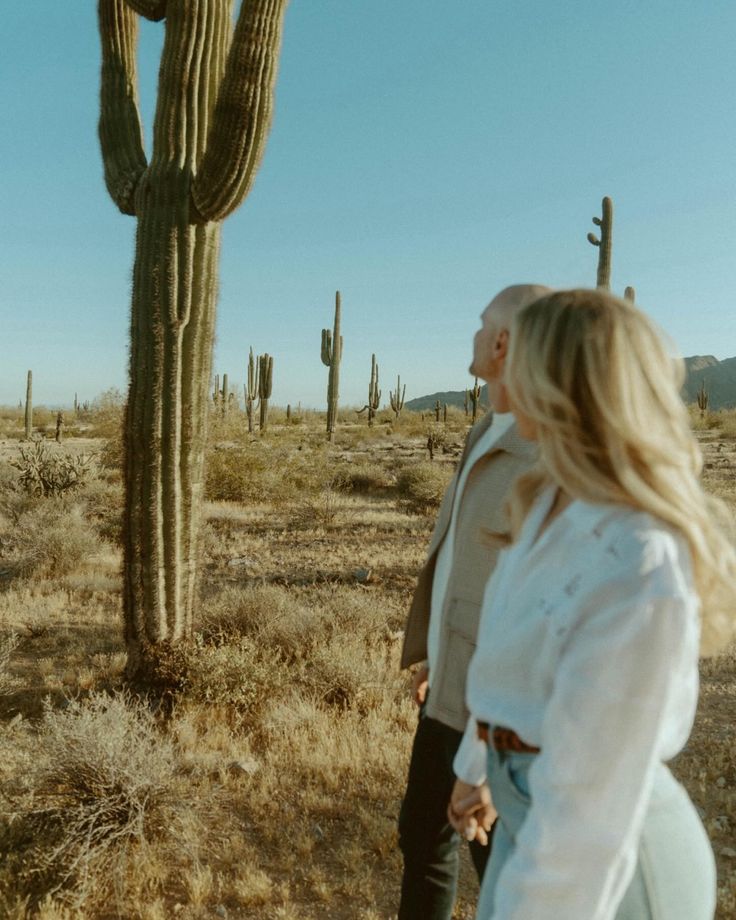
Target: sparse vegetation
[{"x": 270, "y": 784}]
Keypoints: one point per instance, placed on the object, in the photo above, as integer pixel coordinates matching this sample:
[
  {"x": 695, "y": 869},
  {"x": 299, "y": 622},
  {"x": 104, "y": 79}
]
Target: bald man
[{"x": 443, "y": 621}]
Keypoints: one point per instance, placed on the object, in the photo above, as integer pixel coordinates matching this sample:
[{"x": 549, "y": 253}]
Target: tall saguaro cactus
[
  {"x": 265, "y": 383},
  {"x": 331, "y": 357},
  {"x": 29, "y": 405},
  {"x": 374, "y": 394},
  {"x": 474, "y": 395},
  {"x": 397, "y": 399},
  {"x": 251, "y": 388},
  {"x": 604, "y": 244},
  {"x": 212, "y": 118}
]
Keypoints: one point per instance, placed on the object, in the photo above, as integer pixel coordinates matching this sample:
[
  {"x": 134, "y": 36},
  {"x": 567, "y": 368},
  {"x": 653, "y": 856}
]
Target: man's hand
[
  {"x": 471, "y": 811},
  {"x": 419, "y": 684}
]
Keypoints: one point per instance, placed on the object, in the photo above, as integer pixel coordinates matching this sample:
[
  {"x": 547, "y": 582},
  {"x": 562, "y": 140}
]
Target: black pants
[{"x": 428, "y": 842}]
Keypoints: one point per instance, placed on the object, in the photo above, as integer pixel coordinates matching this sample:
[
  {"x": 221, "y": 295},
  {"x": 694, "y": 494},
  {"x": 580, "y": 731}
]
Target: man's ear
[{"x": 501, "y": 345}]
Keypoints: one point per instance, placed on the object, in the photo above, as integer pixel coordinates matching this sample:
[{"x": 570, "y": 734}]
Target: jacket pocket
[
  {"x": 450, "y": 691},
  {"x": 462, "y": 618}
]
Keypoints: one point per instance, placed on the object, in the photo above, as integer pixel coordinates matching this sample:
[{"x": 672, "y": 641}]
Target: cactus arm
[
  {"x": 243, "y": 112},
  {"x": 605, "y": 243},
  {"x": 630, "y": 294},
  {"x": 326, "y": 347},
  {"x": 120, "y": 131},
  {"x": 155, "y": 10}
]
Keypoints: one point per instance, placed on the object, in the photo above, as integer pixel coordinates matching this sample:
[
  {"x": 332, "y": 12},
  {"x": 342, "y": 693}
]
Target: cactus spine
[
  {"x": 29, "y": 405},
  {"x": 251, "y": 388},
  {"x": 331, "y": 357},
  {"x": 474, "y": 396},
  {"x": 397, "y": 399},
  {"x": 265, "y": 380},
  {"x": 702, "y": 398},
  {"x": 605, "y": 243},
  {"x": 212, "y": 119}
]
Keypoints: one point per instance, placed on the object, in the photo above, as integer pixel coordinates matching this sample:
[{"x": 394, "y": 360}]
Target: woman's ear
[{"x": 501, "y": 345}]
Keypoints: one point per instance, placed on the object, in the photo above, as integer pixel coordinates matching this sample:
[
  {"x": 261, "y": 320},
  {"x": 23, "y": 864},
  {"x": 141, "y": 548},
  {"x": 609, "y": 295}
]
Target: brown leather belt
[{"x": 504, "y": 740}]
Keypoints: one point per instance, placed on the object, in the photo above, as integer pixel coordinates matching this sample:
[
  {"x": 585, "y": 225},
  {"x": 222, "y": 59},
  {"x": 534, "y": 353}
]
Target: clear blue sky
[{"x": 424, "y": 154}]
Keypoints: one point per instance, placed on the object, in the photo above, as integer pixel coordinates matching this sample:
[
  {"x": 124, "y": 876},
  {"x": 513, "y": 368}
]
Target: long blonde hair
[{"x": 593, "y": 374}]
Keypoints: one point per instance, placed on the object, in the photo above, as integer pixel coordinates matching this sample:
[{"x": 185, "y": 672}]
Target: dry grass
[{"x": 272, "y": 789}]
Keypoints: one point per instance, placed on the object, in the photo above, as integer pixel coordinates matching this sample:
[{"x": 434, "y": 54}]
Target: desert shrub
[
  {"x": 102, "y": 500},
  {"x": 272, "y": 615},
  {"x": 242, "y": 676},
  {"x": 420, "y": 486},
  {"x": 104, "y": 781},
  {"x": 329, "y": 644},
  {"x": 262, "y": 472},
  {"x": 46, "y": 470},
  {"x": 105, "y": 415},
  {"x": 48, "y": 536},
  {"x": 364, "y": 477}
]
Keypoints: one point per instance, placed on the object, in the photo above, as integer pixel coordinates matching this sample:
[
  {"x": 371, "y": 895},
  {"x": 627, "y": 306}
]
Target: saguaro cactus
[
  {"x": 374, "y": 394},
  {"x": 212, "y": 118},
  {"x": 265, "y": 380},
  {"x": 474, "y": 395},
  {"x": 59, "y": 427},
  {"x": 702, "y": 398},
  {"x": 331, "y": 356},
  {"x": 251, "y": 388},
  {"x": 397, "y": 399},
  {"x": 604, "y": 244},
  {"x": 29, "y": 405},
  {"x": 225, "y": 394}
]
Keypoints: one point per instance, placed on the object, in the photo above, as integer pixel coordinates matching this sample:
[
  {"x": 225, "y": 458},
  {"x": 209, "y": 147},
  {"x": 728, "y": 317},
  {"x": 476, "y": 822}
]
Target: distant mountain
[
  {"x": 451, "y": 397},
  {"x": 719, "y": 377}
]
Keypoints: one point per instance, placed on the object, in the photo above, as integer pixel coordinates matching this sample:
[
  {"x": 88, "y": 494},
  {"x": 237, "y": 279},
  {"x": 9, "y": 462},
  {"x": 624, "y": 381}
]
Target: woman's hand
[{"x": 471, "y": 811}]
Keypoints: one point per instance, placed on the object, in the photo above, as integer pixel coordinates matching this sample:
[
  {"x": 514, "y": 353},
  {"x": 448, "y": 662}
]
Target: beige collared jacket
[{"x": 482, "y": 512}]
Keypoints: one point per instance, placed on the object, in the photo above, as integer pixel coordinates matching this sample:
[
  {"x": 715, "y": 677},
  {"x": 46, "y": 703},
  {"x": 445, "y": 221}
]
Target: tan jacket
[{"x": 474, "y": 558}]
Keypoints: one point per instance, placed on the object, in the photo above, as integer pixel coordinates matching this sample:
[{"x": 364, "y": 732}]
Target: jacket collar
[{"x": 510, "y": 441}]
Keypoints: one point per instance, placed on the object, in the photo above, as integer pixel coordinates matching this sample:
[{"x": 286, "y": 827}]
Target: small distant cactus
[
  {"x": 59, "y": 426},
  {"x": 466, "y": 402},
  {"x": 29, "y": 405},
  {"x": 702, "y": 398},
  {"x": 444, "y": 413},
  {"x": 225, "y": 395},
  {"x": 604, "y": 244},
  {"x": 436, "y": 437},
  {"x": 265, "y": 380},
  {"x": 437, "y": 410},
  {"x": 331, "y": 357},
  {"x": 474, "y": 397},
  {"x": 397, "y": 398},
  {"x": 374, "y": 394},
  {"x": 251, "y": 388}
]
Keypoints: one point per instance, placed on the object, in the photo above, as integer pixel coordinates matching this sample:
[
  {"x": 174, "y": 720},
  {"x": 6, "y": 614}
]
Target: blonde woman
[{"x": 584, "y": 682}]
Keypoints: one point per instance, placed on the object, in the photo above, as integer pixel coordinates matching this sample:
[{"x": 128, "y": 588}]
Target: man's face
[{"x": 485, "y": 363}]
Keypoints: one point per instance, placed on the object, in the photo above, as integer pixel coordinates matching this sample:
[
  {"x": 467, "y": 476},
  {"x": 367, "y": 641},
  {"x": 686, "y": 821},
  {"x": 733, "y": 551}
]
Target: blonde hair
[{"x": 593, "y": 374}]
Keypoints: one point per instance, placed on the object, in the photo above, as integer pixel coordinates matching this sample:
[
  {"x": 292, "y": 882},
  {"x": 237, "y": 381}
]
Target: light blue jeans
[{"x": 675, "y": 876}]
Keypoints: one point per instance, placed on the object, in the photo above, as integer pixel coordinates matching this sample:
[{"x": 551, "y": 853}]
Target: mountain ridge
[{"x": 719, "y": 378}]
